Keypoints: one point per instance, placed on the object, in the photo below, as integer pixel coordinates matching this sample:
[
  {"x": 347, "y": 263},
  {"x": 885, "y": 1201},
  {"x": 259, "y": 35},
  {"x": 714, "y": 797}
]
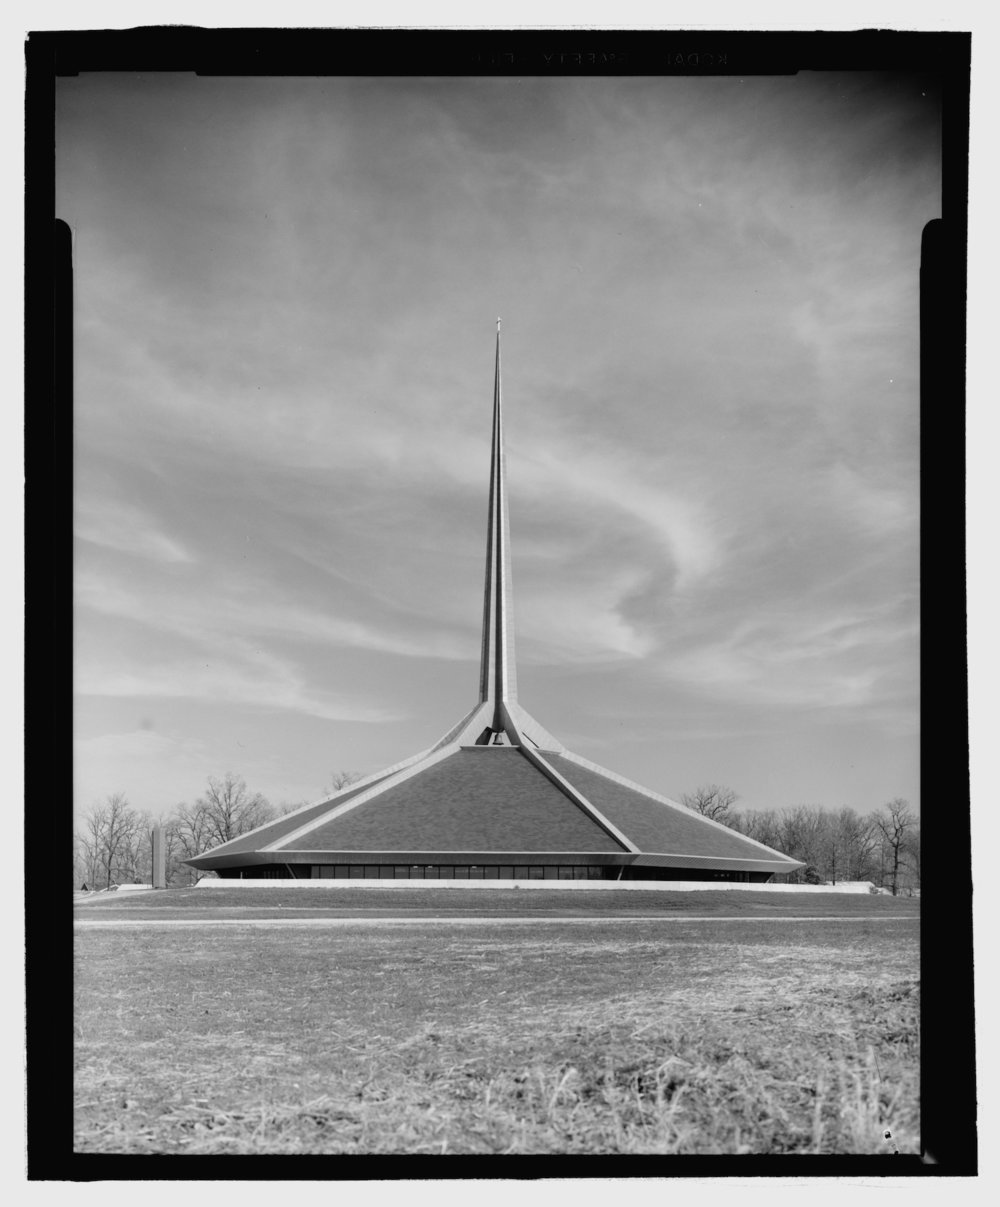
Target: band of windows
[
  {"x": 388, "y": 871},
  {"x": 457, "y": 872}
]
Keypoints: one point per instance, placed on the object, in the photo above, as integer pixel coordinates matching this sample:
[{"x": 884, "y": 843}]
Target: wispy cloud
[
  {"x": 560, "y": 622},
  {"x": 834, "y": 661},
  {"x": 238, "y": 612},
  {"x": 285, "y": 296},
  {"x": 259, "y": 683},
  {"x": 875, "y": 508},
  {"x": 127, "y": 528},
  {"x": 677, "y": 525}
]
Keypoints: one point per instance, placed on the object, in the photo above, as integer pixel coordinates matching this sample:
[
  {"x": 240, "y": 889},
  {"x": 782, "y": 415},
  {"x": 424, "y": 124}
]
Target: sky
[{"x": 285, "y": 304}]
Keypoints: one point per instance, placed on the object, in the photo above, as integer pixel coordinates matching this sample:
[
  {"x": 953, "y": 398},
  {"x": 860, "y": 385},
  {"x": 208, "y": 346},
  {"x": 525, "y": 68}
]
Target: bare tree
[
  {"x": 846, "y": 843},
  {"x": 188, "y": 829},
  {"x": 86, "y": 862},
  {"x": 834, "y": 846},
  {"x": 138, "y": 853},
  {"x": 759, "y": 824},
  {"x": 712, "y": 801},
  {"x": 230, "y": 809},
  {"x": 185, "y": 834},
  {"x": 831, "y": 847},
  {"x": 226, "y": 810},
  {"x": 860, "y": 839},
  {"x": 801, "y": 835},
  {"x": 895, "y": 822},
  {"x": 112, "y": 839},
  {"x": 284, "y": 807},
  {"x": 340, "y": 780}
]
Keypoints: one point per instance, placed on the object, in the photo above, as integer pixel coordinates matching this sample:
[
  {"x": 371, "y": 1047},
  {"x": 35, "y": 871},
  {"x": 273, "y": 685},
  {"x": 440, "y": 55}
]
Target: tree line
[
  {"x": 882, "y": 847},
  {"x": 115, "y": 843}
]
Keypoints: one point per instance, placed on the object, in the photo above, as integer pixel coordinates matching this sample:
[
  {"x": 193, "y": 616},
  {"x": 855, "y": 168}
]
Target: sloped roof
[
  {"x": 500, "y": 799},
  {"x": 652, "y": 824},
  {"x": 253, "y": 840},
  {"x": 475, "y": 799}
]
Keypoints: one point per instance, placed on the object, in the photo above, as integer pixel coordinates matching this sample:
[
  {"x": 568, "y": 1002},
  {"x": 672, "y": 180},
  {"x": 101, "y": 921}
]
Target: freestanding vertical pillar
[{"x": 159, "y": 859}]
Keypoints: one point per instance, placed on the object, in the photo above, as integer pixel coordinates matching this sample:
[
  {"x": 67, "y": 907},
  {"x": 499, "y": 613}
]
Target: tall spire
[
  {"x": 498, "y": 718},
  {"x": 497, "y": 677}
]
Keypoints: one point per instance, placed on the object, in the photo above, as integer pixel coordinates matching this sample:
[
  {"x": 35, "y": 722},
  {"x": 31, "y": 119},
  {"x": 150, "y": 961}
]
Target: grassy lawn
[
  {"x": 697, "y": 1037},
  {"x": 348, "y": 902}
]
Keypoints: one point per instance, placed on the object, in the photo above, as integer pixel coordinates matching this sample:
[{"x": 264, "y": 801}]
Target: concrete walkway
[{"x": 337, "y": 923}]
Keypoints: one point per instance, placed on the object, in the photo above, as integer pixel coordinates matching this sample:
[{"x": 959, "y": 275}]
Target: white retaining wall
[{"x": 599, "y": 885}]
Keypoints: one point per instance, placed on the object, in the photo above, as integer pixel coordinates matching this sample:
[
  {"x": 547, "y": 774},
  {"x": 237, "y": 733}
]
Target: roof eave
[{"x": 210, "y": 862}]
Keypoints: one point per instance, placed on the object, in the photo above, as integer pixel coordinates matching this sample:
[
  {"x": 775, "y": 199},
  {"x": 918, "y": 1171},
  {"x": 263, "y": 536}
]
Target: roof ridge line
[
  {"x": 666, "y": 800},
  {"x": 428, "y": 759},
  {"x": 374, "y": 779},
  {"x": 576, "y": 796},
  {"x": 454, "y": 735},
  {"x": 524, "y": 722}
]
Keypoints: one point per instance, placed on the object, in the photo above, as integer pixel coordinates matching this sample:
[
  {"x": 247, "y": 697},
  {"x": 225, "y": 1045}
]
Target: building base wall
[
  {"x": 663, "y": 886},
  {"x": 466, "y": 873}
]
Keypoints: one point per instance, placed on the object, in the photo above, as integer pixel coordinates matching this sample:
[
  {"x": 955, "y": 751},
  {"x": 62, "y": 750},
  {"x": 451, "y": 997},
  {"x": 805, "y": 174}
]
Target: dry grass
[
  {"x": 416, "y": 900},
  {"x": 611, "y": 1038}
]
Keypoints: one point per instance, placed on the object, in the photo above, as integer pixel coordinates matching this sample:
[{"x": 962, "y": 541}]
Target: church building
[{"x": 498, "y": 797}]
